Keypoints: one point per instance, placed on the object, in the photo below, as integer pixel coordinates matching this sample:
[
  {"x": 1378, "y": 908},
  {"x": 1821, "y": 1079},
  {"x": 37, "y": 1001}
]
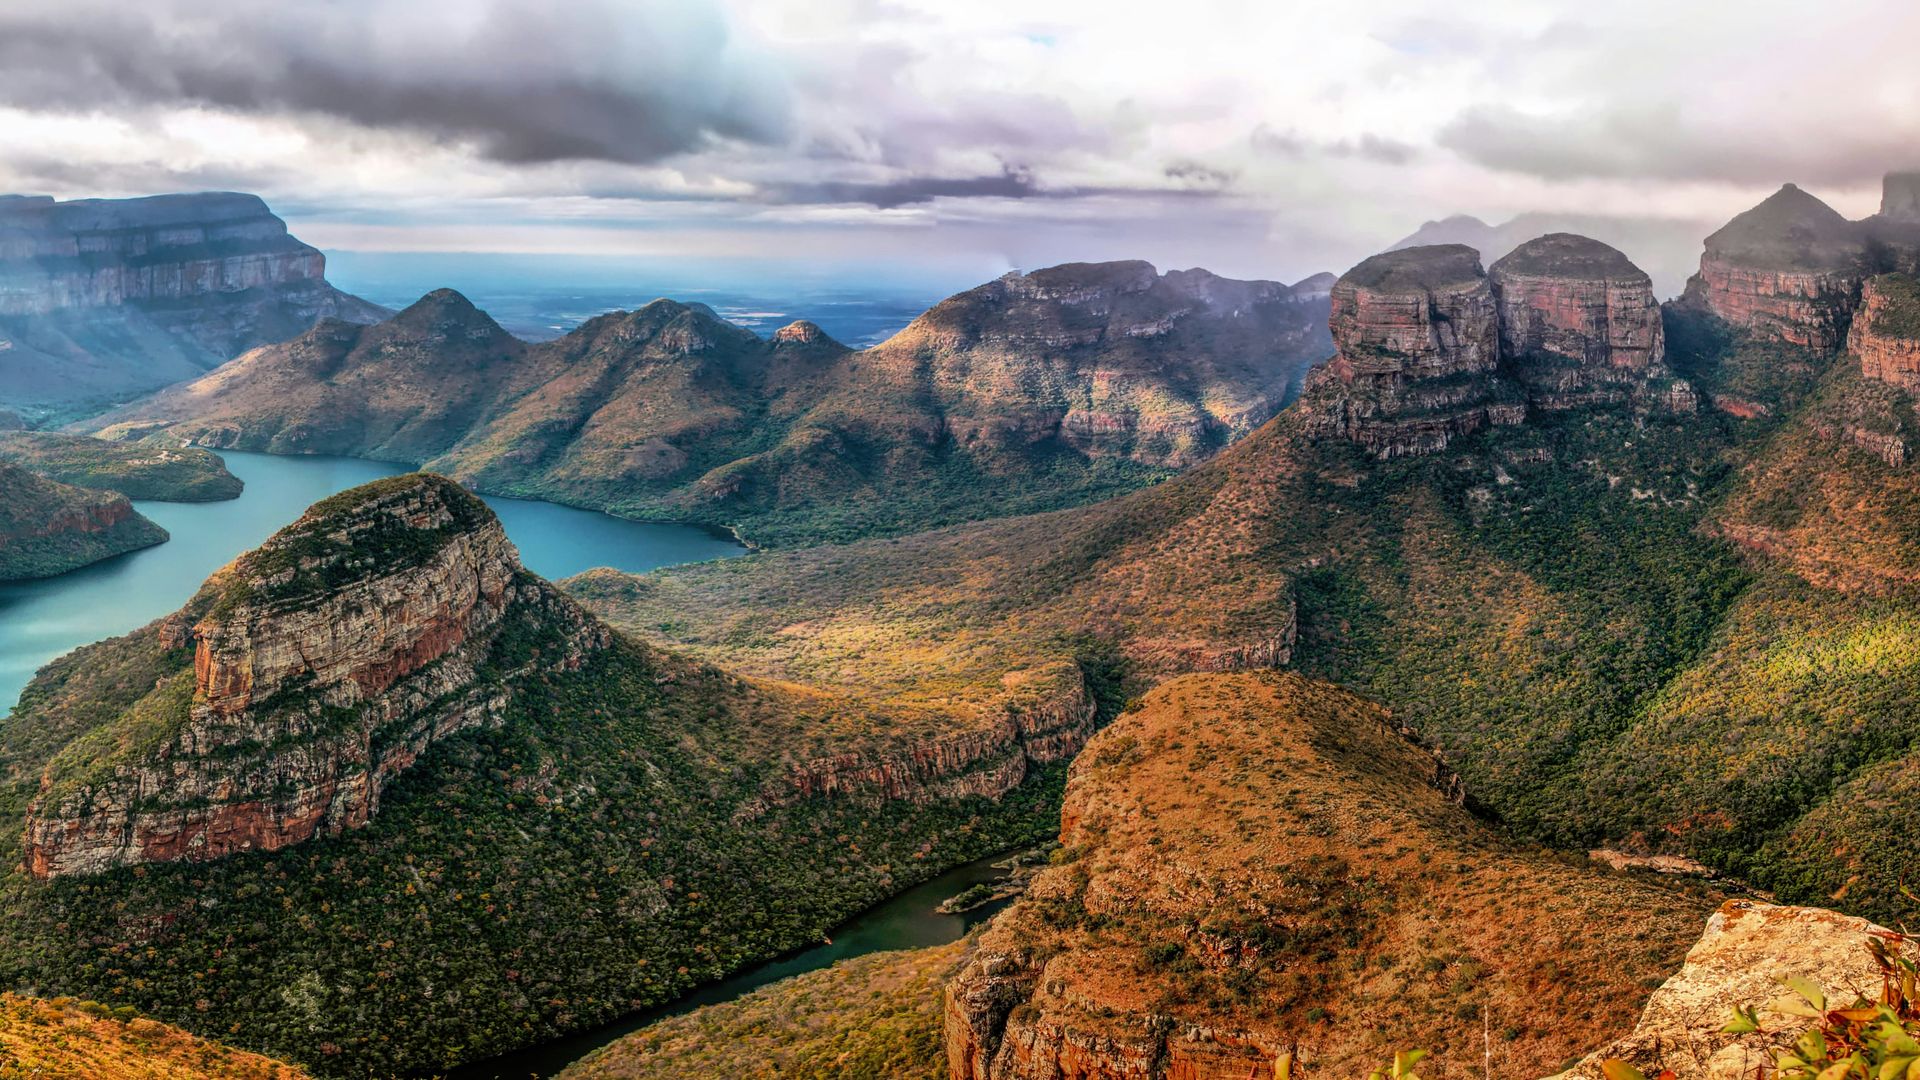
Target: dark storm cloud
[
  {"x": 1667, "y": 143},
  {"x": 520, "y": 80},
  {"x": 908, "y": 191}
]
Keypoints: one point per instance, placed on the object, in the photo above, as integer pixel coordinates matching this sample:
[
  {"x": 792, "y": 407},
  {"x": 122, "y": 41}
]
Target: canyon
[
  {"x": 102, "y": 300},
  {"x": 1055, "y": 387}
]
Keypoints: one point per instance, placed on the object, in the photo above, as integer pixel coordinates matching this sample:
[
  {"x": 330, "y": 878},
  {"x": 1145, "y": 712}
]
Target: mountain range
[
  {"x": 1325, "y": 723},
  {"x": 1037, "y": 390}
]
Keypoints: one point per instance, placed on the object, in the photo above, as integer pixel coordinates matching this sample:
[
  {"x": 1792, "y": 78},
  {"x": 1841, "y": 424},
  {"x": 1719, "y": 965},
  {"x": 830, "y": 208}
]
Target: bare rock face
[
  {"x": 1046, "y": 715},
  {"x": 1418, "y": 340},
  {"x": 1789, "y": 269},
  {"x": 324, "y": 663},
  {"x": 1579, "y": 323},
  {"x": 1748, "y": 947},
  {"x": 1900, "y": 197},
  {"x": 1886, "y": 331},
  {"x": 124, "y": 295}
]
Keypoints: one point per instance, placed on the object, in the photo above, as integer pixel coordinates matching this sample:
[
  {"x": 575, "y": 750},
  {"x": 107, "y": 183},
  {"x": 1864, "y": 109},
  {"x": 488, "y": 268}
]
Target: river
[{"x": 41, "y": 620}]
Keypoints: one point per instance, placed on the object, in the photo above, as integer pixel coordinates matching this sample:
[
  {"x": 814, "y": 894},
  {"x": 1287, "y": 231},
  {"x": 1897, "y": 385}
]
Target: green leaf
[
  {"x": 1742, "y": 1023},
  {"x": 1615, "y": 1069},
  {"x": 1805, "y": 988}
]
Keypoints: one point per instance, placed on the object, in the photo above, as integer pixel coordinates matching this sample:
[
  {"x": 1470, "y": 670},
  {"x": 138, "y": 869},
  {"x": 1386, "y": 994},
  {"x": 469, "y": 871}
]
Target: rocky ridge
[
  {"x": 324, "y": 664},
  {"x": 1886, "y": 332},
  {"x": 1579, "y": 324},
  {"x": 1053, "y": 387},
  {"x": 1250, "y": 868},
  {"x": 48, "y": 528},
  {"x": 105, "y": 298}
]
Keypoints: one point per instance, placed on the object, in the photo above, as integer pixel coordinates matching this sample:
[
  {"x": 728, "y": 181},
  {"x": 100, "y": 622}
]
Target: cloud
[
  {"x": 635, "y": 81},
  {"x": 1010, "y": 183}
]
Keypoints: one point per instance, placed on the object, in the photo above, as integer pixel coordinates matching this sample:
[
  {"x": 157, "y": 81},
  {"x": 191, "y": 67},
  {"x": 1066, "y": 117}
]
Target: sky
[{"x": 1260, "y": 139}]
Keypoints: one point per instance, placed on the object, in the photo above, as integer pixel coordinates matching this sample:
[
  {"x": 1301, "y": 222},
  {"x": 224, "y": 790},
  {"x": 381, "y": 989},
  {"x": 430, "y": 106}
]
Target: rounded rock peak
[
  {"x": 1568, "y": 255},
  {"x": 1424, "y": 269},
  {"x": 799, "y": 332}
]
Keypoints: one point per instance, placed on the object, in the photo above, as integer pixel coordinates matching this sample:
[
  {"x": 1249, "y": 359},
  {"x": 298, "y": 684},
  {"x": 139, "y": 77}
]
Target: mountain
[
  {"x": 1668, "y": 248},
  {"x": 1046, "y": 389},
  {"x": 378, "y": 801},
  {"x": 1668, "y": 618},
  {"x": 68, "y": 1040},
  {"x": 102, "y": 300},
  {"x": 1259, "y": 864},
  {"x": 48, "y": 528},
  {"x": 167, "y": 474}
]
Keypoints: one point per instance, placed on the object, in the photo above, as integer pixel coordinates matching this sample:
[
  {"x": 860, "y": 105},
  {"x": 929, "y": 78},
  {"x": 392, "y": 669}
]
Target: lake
[{"x": 41, "y": 620}]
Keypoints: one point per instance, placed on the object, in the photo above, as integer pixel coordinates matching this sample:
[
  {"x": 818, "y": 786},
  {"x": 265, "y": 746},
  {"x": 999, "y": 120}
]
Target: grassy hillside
[
  {"x": 68, "y": 1040},
  {"x": 874, "y": 1017},
  {"x": 49, "y": 528},
  {"x": 139, "y": 472}
]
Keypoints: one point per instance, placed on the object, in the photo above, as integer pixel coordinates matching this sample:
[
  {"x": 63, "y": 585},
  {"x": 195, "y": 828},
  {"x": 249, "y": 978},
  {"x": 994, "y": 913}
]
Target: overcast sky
[{"x": 1265, "y": 137}]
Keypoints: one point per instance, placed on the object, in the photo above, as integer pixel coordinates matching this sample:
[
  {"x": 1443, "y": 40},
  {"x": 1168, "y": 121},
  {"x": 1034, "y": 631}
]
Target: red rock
[
  {"x": 1886, "y": 331},
  {"x": 1789, "y": 269},
  {"x": 1579, "y": 323}
]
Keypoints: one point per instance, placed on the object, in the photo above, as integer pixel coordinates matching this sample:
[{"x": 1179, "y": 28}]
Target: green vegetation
[
  {"x": 875, "y": 1017},
  {"x": 64, "y": 1039},
  {"x": 1901, "y": 317},
  {"x": 49, "y": 528},
  {"x": 136, "y": 470}
]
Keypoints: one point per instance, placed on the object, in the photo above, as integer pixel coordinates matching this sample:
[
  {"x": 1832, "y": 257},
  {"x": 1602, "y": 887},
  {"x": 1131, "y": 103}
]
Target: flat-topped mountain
[
  {"x": 164, "y": 473},
  {"x": 379, "y": 801},
  {"x": 1037, "y": 390},
  {"x": 48, "y": 528},
  {"x": 1579, "y": 323},
  {"x": 105, "y": 299}
]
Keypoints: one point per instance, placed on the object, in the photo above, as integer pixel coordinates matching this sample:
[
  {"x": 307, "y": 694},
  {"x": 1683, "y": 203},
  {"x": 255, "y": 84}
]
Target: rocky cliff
[
  {"x": 1035, "y": 391},
  {"x": 102, "y": 298},
  {"x": 1257, "y": 864},
  {"x": 324, "y": 664},
  {"x": 1417, "y": 340},
  {"x": 48, "y": 528},
  {"x": 1789, "y": 269},
  {"x": 1746, "y": 951},
  {"x": 1886, "y": 331},
  {"x": 1579, "y": 324}
]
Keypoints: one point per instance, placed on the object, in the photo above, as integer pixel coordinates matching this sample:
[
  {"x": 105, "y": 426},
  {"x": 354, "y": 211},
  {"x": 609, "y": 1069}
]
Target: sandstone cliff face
[
  {"x": 318, "y": 675},
  {"x": 1045, "y": 716},
  {"x": 1418, "y": 341},
  {"x": 1886, "y": 331},
  {"x": 1747, "y": 949},
  {"x": 120, "y": 296},
  {"x": 1789, "y": 270},
  {"x": 1579, "y": 324}
]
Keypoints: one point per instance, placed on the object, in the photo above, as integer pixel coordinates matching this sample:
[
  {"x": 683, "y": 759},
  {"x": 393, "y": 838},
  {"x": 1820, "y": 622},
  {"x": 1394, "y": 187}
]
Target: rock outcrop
[
  {"x": 48, "y": 528},
  {"x": 1579, "y": 324},
  {"x": 1261, "y": 863},
  {"x": 1418, "y": 344},
  {"x": 1789, "y": 270},
  {"x": 115, "y": 297},
  {"x": 1886, "y": 331},
  {"x": 324, "y": 664},
  {"x": 1747, "y": 949},
  {"x": 1045, "y": 716}
]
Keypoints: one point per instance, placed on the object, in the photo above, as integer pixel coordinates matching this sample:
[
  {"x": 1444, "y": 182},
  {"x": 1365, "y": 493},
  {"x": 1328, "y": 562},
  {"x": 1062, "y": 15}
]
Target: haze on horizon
[{"x": 957, "y": 140}]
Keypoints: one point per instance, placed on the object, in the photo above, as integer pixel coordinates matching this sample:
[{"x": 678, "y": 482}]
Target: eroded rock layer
[
  {"x": 324, "y": 664},
  {"x": 1886, "y": 332},
  {"x": 1418, "y": 341},
  {"x": 1789, "y": 269},
  {"x": 1579, "y": 323}
]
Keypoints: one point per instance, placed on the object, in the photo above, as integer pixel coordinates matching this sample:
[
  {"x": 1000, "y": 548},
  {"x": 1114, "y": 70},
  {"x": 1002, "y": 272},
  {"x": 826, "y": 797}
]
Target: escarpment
[
  {"x": 1417, "y": 342},
  {"x": 323, "y": 665},
  {"x": 1788, "y": 269},
  {"x": 1260, "y": 864},
  {"x": 114, "y": 297}
]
